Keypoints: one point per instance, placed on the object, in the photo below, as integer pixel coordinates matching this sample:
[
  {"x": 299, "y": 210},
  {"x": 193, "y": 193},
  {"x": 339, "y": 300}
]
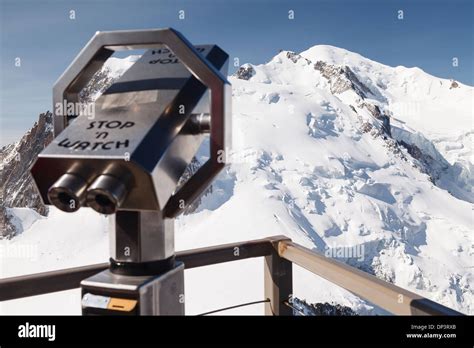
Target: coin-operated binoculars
[{"x": 127, "y": 158}]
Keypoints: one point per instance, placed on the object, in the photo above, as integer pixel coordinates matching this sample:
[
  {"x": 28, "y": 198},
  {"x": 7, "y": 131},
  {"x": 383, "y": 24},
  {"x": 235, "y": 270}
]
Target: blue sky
[{"x": 45, "y": 38}]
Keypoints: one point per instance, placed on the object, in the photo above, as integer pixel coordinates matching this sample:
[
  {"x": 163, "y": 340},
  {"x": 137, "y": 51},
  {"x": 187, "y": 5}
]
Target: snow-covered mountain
[
  {"x": 337, "y": 152},
  {"x": 17, "y": 188}
]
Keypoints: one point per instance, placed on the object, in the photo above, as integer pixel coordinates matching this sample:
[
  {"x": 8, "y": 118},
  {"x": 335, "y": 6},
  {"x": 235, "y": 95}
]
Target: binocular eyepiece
[
  {"x": 67, "y": 194},
  {"x": 71, "y": 191},
  {"x": 106, "y": 194}
]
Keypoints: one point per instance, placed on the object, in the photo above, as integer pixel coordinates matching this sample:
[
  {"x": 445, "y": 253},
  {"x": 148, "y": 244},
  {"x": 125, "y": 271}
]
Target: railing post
[{"x": 278, "y": 281}]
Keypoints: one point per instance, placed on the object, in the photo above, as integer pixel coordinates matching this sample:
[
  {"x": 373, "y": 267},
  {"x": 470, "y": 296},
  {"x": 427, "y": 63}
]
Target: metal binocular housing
[{"x": 130, "y": 153}]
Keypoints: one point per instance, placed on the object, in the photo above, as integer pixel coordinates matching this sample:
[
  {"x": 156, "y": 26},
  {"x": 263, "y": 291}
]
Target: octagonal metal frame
[{"x": 103, "y": 44}]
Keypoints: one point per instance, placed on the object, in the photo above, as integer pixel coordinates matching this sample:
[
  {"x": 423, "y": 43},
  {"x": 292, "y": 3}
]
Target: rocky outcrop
[
  {"x": 245, "y": 72},
  {"x": 434, "y": 168},
  {"x": 301, "y": 307},
  {"x": 7, "y": 227},
  {"x": 375, "y": 111},
  {"x": 341, "y": 79},
  {"x": 294, "y": 57},
  {"x": 192, "y": 168},
  {"x": 17, "y": 188},
  {"x": 96, "y": 86}
]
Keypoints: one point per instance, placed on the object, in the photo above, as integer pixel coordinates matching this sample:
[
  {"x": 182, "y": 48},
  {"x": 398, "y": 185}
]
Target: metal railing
[{"x": 279, "y": 252}]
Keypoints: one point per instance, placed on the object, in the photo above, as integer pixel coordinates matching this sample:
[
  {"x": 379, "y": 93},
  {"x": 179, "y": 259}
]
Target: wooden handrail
[{"x": 383, "y": 294}]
